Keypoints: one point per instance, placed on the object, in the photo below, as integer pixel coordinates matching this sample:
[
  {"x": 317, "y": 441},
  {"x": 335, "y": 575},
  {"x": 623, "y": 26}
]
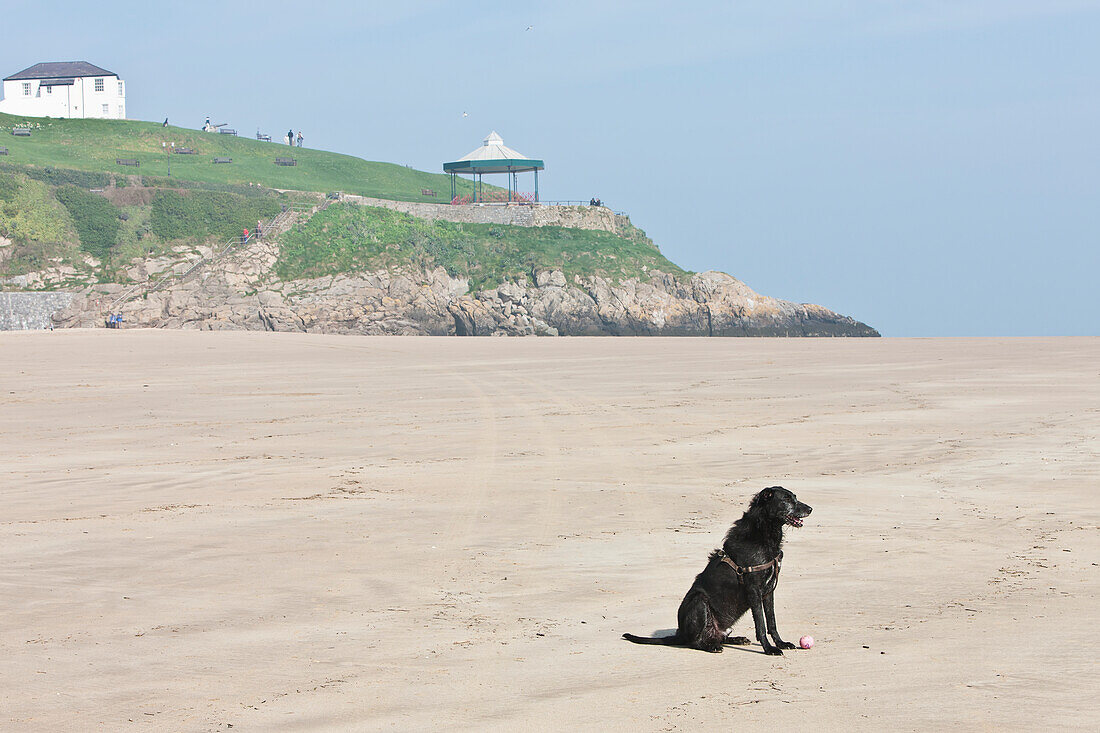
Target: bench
[
  {"x": 21, "y": 131},
  {"x": 3, "y": 151},
  {"x": 128, "y": 161},
  {"x": 223, "y": 160},
  {"x": 285, "y": 161},
  {"x": 261, "y": 136},
  {"x": 427, "y": 192},
  {"x": 226, "y": 131},
  {"x": 184, "y": 151}
]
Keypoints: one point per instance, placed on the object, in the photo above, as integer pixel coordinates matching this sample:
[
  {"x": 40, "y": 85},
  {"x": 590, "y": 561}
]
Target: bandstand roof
[{"x": 493, "y": 156}]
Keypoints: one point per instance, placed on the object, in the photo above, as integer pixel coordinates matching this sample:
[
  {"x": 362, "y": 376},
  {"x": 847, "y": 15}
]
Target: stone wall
[
  {"x": 599, "y": 218},
  {"x": 31, "y": 311}
]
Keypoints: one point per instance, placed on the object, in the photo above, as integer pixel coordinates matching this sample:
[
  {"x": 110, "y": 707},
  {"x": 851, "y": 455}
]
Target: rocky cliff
[{"x": 242, "y": 292}]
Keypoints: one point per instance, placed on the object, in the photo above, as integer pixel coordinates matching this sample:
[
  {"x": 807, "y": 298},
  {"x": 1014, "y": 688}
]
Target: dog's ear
[{"x": 762, "y": 498}]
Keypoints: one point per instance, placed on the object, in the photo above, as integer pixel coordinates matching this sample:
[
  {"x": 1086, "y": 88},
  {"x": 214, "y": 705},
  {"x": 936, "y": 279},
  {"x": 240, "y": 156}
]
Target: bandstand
[{"x": 494, "y": 157}]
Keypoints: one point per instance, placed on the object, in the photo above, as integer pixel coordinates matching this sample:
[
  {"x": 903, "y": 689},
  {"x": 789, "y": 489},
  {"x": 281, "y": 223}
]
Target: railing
[
  {"x": 496, "y": 197},
  {"x": 463, "y": 200},
  {"x": 152, "y": 287},
  {"x": 583, "y": 203}
]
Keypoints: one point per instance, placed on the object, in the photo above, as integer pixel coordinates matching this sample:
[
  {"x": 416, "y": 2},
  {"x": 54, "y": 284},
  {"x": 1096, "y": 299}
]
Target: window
[
  {"x": 121, "y": 112},
  {"x": 99, "y": 85},
  {"x": 26, "y": 89},
  {"x": 49, "y": 90},
  {"x": 106, "y": 109},
  {"x": 120, "y": 92}
]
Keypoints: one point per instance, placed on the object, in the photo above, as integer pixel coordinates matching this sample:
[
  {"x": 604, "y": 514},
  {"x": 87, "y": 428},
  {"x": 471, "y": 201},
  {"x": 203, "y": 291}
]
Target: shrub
[
  {"x": 95, "y": 219},
  {"x": 32, "y": 256},
  {"x": 68, "y": 177},
  {"x": 28, "y": 211},
  {"x": 204, "y": 213}
]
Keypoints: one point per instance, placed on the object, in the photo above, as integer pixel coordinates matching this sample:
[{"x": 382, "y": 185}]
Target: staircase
[{"x": 278, "y": 224}]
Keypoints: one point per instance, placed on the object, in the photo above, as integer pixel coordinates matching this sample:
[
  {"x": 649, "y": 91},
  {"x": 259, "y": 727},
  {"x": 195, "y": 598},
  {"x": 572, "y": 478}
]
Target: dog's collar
[{"x": 752, "y": 568}]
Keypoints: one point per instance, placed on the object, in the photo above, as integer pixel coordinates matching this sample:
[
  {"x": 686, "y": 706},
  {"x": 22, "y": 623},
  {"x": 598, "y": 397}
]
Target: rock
[
  {"x": 550, "y": 279},
  {"x": 243, "y": 292},
  {"x": 511, "y": 293}
]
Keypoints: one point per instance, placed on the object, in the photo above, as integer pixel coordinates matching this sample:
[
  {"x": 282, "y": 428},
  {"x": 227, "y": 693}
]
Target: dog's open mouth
[{"x": 794, "y": 521}]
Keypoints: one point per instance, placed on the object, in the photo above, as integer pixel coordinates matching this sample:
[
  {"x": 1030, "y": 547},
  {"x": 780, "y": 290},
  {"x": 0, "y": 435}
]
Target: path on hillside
[{"x": 281, "y": 222}]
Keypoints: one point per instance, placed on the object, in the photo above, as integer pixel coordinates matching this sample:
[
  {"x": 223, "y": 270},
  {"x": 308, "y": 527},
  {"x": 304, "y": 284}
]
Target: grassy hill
[
  {"x": 95, "y": 145},
  {"x": 68, "y": 207}
]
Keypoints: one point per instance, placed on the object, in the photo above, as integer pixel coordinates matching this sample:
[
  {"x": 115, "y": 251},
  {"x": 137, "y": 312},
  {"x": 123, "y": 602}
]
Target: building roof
[
  {"x": 493, "y": 156},
  {"x": 60, "y": 69}
]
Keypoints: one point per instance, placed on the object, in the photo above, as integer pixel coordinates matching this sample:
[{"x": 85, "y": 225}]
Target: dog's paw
[
  {"x": 786, "y": 645},
  {"x": 716, "y": 649},
  {"x": 738, "y": 640},
  {"x": 774, "y": 651}
]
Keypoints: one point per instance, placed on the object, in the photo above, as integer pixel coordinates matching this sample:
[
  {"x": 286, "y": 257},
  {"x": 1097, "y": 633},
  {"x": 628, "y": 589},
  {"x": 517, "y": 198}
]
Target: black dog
[{"x": 739, "y": 577}]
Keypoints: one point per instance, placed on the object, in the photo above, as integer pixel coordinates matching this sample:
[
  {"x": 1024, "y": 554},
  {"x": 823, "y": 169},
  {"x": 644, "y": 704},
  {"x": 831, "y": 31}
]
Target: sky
[{"x": 929, "y": 167}]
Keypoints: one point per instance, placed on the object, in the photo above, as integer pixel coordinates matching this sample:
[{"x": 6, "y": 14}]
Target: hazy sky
[{"x": 930, "y": 168}]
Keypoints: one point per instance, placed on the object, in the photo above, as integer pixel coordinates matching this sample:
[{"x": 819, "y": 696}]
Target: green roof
[
  {"x": 493, "y": 156},
  {"x": 498, "y": 165}
]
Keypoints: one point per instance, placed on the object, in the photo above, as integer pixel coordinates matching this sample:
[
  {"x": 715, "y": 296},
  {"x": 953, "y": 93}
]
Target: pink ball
[{"x": 806, "y": 642}]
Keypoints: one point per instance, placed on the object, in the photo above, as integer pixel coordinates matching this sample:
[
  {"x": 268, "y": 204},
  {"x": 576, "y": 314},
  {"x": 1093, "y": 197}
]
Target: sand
[{"x": 301, "y": 532}]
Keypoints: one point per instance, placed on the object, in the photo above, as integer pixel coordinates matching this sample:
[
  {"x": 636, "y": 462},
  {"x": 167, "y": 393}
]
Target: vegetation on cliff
[
  {"x": 96, "y": 219},
  {"x": 201, "y": 214},
  {"x": 30, "y": 212},
  {"x": 349, "y": 238},
  {"x": 55, "y": 216},
  {"x": 39, "y": 227}
]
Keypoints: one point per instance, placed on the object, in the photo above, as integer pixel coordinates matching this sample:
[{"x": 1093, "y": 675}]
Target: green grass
[
  {"x": 96, "y": 219},
  {"x": 347, "y": 238},
  {"x": 94, "y": 145}
]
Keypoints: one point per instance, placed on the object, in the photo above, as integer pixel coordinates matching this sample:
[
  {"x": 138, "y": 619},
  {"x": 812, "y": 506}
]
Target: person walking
[
  {"x": 290, "y": 137},
  {"x": 259, "y": 230},
  {"x": 244, "y": 237},
  {"x": 300, "y": 138}
]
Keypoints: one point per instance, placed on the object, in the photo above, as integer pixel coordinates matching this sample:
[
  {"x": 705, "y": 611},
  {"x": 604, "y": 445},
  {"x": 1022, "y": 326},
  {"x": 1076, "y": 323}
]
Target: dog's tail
[{"x": 673, "y": 640}]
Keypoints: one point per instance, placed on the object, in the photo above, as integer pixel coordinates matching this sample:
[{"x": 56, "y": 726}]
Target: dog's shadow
[{"x": 739, "y": 647}]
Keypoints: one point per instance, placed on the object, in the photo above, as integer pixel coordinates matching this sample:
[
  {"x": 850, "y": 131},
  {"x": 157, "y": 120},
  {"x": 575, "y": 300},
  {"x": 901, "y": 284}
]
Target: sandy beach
[{"x": 301, "y": 532}]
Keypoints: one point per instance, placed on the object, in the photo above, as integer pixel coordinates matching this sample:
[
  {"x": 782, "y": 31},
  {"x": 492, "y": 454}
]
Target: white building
[{"x": 65, "y": 89}]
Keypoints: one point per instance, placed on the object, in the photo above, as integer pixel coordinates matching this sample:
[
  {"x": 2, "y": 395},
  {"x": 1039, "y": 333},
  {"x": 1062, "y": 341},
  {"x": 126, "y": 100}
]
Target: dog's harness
[{"x": 741, "y": 572}]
